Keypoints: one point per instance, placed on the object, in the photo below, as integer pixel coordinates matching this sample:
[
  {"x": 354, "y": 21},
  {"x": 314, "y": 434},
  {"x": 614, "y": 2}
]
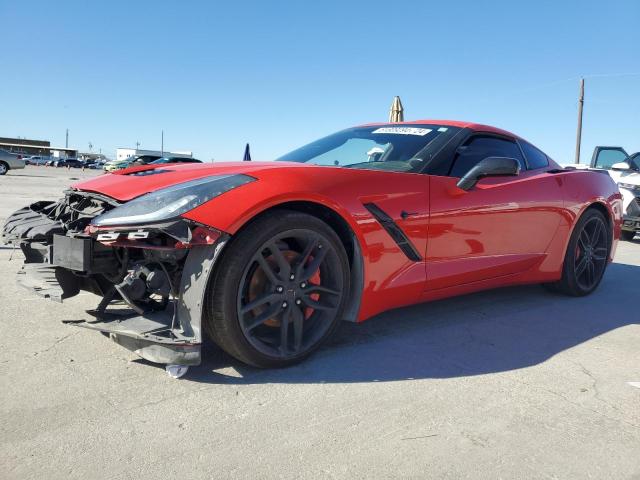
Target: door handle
[{"x": 404, "y": 214}]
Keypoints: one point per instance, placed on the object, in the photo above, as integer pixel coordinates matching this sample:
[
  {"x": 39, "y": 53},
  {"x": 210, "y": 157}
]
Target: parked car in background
[
  {"x": 114, "y": 165},
  {"x": 135, "y": 160},
  {"x": 142, "y": 159},
  {"x": 98, "y": 164},
  {"x": 139, "y": 160},
  {"x": 73, "y": 163},
  {"x": 53, "y": 162},
  {"x": 625, "y": 171},
  {"x": 64, "y": 162},
  {"x": 36, "y": 160},
  {"x": 163, "y": 160},
  {"x": 10, "y": 161}
]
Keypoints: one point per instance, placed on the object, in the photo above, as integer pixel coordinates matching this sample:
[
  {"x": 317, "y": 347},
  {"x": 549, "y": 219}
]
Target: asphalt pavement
[{"x": 511, "y": 383}]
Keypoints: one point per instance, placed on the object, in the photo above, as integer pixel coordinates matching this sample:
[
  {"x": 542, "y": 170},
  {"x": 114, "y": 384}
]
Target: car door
[
  {"x": 605, "y": 157},
  {"x": 501, "y": 226}
]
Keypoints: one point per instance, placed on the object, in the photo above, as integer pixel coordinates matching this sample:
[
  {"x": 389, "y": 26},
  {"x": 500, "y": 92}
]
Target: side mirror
[
  {"x": 621, "y": 166},
  {"x": 489, "y": 167}
]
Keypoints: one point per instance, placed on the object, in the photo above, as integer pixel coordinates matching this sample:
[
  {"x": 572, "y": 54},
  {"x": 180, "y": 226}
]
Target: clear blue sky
[{"x": 215, "y": 75}]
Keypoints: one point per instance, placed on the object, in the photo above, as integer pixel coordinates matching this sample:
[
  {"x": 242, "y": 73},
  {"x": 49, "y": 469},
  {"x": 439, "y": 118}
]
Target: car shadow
[
  {"x": 12, "y": 174},
  {"x": 487, "y": 332}
]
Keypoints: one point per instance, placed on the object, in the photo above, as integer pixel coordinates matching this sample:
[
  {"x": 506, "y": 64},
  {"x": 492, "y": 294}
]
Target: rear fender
[{"x": 584, "y": 189}]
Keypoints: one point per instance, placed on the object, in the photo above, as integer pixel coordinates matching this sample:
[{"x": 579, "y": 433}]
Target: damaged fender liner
[
  {"x": 174, "y": 335},
  {"x": 154, "y": 287}
]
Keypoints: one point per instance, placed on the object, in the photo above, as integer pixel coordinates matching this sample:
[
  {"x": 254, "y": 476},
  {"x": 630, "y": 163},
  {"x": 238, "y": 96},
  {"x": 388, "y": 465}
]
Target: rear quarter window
[{"x": 535, "y": 158}]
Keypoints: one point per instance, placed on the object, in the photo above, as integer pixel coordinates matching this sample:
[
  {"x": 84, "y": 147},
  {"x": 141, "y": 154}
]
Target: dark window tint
[
  {"x": 478, "y": 148},
  {"x": 535, "y": 158}
]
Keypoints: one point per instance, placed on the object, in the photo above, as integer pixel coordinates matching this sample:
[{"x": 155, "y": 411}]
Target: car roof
[{"x": 479, "y": 127}]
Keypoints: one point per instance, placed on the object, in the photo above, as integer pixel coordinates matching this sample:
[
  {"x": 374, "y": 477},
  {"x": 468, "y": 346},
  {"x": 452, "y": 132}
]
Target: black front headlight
[{"x": 170, "y": 202}]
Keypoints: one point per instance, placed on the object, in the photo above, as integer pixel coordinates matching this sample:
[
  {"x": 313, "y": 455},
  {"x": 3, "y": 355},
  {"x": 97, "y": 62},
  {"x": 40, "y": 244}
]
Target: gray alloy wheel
[
  {"x": 279, "y": 290},
  {"x": 587, "y": 255},
  {"x": 289, "y": 293},
  {"x": 591, "y": 253},
  {"x": 4, "y": 168}
]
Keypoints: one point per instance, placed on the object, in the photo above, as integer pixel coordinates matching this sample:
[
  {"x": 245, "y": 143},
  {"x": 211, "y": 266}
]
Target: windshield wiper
[{"x": 361, "y": 163}]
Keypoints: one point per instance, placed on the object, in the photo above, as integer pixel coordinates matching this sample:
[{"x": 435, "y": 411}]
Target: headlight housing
[
  {"x": 170, "y": 202},
  {"x": 628, "y": 186}
]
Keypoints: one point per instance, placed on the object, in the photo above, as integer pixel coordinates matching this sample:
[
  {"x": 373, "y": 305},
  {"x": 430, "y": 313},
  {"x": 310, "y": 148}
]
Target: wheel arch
[
  {"x": 603, "y": 208},
  {"x": 343, "y": 230}
]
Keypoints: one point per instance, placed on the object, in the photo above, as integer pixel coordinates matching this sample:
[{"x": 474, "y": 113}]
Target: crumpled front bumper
[
  {"x": 172, "y": 336},
  {"x": 58, "y": 265}
]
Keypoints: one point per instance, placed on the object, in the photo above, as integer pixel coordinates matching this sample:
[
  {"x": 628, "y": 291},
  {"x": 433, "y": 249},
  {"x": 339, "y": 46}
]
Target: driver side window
[{"x": 477, "y": 148}]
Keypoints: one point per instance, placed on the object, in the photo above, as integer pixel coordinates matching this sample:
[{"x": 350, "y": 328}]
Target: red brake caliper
[{"x": 314, "y": 279}]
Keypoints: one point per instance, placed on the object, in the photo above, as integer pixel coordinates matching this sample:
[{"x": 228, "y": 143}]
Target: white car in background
[{"x": 625, "y": 171}]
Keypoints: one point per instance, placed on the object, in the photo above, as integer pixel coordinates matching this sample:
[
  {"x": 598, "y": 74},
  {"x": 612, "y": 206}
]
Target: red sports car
[{"x": 269, "y": 257}]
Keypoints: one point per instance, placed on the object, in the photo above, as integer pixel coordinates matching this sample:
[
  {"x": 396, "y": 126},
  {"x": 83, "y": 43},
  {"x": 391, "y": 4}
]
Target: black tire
[
  {"x": 627, "y": 235},
  {"x": 4, "y": 168},
  {"x": 586, "y": 257},
  {"x": 288, "y": 318}
]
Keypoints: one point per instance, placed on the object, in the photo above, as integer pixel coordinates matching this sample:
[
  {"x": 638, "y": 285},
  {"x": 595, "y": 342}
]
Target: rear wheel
[
  {"x": 587, "y": 255},
  {"x": 4, "y": 168},
  {"x": 279, "y": 290},
  {"x": 626, "y": 235}
]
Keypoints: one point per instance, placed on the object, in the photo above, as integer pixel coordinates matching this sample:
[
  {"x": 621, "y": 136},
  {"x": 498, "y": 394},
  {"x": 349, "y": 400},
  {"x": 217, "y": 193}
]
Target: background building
[
  {"x": 123, "y": 153},
  {"x": 27, "y": 146}
]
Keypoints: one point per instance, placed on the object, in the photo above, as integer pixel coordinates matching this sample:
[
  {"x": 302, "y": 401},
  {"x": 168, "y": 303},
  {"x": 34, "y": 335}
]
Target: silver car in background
[
  {"x": 36, "y": 160},
  {"x": 10, "y": 161}
]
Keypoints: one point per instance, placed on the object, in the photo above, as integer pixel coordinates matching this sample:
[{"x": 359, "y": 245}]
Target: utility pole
[
  {"x": 137, "y": 146},
  {"x": 66, "y": 141},
  {"x": 579, "y": 132},
  {"x": 162, "y": 144}
]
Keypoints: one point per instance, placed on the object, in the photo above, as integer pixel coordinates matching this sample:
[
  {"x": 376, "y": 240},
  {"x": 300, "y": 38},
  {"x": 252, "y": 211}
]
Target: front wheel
[
  {"x": 279, "y": 290},
  {"x": 587, "y": 255},
  {"x": 4, "y": 168}
]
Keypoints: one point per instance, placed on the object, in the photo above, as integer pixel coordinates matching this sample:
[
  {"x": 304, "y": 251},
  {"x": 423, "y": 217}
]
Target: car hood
[
  {"x": 630, "y": 178},
  {"x": 124, "y": 185}
]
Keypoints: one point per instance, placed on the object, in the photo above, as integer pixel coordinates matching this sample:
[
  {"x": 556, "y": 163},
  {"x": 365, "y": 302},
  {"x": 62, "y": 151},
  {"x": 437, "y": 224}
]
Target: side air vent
[{"x": 394, "y": 231}]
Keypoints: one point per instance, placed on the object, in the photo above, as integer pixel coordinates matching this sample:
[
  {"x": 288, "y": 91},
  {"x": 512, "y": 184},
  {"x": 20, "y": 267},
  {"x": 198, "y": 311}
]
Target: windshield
[
  {"x": 402, "y": 148},
  {"x": 634, "y": 161}
]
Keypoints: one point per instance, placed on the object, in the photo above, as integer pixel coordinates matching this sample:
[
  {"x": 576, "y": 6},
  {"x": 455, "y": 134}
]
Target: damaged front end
[{"x": 152, "y": 277}]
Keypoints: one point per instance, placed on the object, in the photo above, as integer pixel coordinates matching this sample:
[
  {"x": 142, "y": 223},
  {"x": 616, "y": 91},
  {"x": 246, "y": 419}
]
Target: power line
[
  {"x": 570, "y": 79},
  {"x": 607, "y": 75}
]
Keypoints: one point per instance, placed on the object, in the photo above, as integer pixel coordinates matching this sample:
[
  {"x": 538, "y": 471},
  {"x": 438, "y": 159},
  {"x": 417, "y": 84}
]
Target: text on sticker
[{"x": 403, "y": 130}]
